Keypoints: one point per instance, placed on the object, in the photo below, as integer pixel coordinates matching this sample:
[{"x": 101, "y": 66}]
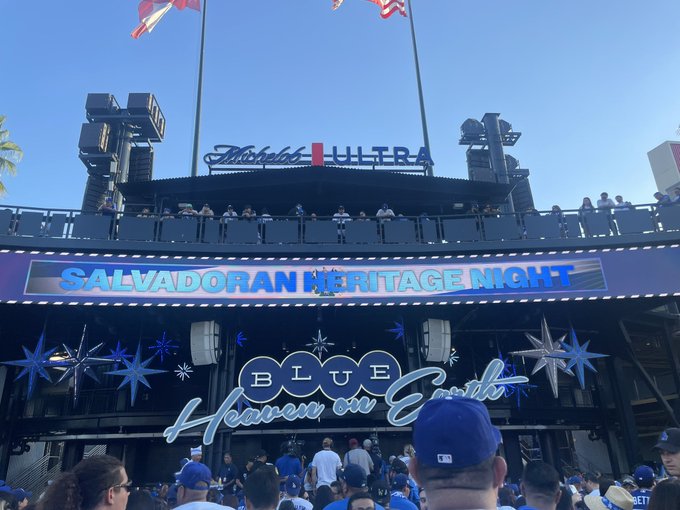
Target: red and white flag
[
  {"x": 389, "y": 7},
  {"x": 151, "y": 12}
]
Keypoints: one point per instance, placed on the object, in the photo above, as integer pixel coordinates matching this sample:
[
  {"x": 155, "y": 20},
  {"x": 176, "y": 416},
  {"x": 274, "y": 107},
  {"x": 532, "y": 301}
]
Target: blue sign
[
  {"x": 301, "y": 374},
  {"x": 340, "y": 379},
  {"x": 123, "y": 280}
]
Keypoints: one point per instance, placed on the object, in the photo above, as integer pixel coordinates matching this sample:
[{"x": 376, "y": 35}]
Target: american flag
[
  {"x": 387, "y": 7},
  {"x": 151, "y": 12}
]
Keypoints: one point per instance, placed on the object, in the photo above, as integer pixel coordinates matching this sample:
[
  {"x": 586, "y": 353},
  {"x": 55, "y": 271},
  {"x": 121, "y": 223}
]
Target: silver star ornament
[{"x": 543, "y": 349}]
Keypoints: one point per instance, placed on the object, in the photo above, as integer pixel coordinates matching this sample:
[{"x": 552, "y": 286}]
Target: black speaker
[
  {"x": 140, "y": 103},
  {"x": 101, "y": 104},
  {"x": 95, "y": 191},
  {"x": 205, "y": 342},
  {"x": 141, "y": 164},
  {"x": 94, "y": 138}
]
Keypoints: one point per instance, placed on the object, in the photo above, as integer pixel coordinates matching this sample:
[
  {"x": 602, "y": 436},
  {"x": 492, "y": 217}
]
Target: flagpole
[
  {"x": 426, "y": 138},
  {"x": 199, "y": 96}
]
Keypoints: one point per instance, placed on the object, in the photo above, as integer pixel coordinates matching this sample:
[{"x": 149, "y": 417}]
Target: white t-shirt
[
  {"x": 202, "y": 505},
  {"x": 299, "y": 503},
  {"x": 327, "y": 463}
]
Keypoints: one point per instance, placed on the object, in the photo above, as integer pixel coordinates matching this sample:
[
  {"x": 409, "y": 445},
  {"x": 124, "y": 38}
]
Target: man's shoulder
[
  {"x": 402, "y": 504},
  {"x": 202, "y": 505},
  {"x": 336, "y": 505},
  {"x": 302, "y": 503}
]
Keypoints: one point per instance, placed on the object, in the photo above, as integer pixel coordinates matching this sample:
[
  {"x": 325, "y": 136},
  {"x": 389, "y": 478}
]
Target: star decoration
[
  {"x": 519, "y": 390},
  {"x": 34, "y": 364},
  {"x": 240, "y": 338},
  {"x": 79, "y": 363},
  {"x": 118, "y": 354},
  {"x": 543, "y": 349},
  {"x": 398, "y": 330},
  {"x": 183, "y": 371},
  {"x": 319, "y": 345},
  {"x": 578, "y": 356},
  {"x": 453, "y": 357},
  {"x": 135, "y": 371},
  {"x": 164, "y": 347}
]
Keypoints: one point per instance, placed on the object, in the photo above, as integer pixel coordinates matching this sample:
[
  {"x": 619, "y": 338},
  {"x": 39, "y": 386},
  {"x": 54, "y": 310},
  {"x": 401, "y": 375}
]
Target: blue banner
[{"x": 138, "y": 280}]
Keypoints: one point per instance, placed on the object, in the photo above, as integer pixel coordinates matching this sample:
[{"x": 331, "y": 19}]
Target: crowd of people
[
  {"x": 384, "y": 213},
  {"x": 453, "y": 464}
]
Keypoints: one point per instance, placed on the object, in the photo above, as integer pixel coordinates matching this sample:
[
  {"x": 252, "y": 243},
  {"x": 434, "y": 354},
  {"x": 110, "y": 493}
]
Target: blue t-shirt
[
  {"x": 641, "y": 498},
  {"x": 400, "y": 502},
  {"x": 288, "y": 465},
  {"x": 342, "y": 505}
]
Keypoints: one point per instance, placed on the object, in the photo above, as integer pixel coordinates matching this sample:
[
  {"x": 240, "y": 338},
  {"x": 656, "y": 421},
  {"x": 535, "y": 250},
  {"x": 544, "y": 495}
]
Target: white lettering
[
  {"x": 262, "y": 379},
  {"x": 297, "y": 377},
  {"x": 334, "y": 373},
  {"x": 379, "y": 372}
]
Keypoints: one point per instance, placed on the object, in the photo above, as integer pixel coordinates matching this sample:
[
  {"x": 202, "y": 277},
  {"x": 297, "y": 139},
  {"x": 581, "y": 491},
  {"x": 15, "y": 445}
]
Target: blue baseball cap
[
  {"x": 454, "y": 432},
  {"x": 644, "y": 474},
  {"x": 22, "y": 494},
  {"x": 399, "y": 482},
  {"x": 195, "y": 476},
  {"x": 293, "y": 485},
  {"x": 669, "y": 440},
  {"x": 575, "y": 480},
  {"x": 355, "y": 476}
]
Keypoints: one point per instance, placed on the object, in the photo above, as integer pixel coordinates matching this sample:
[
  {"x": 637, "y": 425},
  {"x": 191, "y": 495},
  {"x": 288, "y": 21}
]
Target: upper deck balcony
[{"x": 31, "y": 228}]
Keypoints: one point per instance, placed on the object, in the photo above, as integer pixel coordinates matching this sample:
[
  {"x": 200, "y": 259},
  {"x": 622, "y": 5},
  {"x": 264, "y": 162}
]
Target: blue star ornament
[
  {"x": 118, "y": 354},
  {"x": 578, "y": 356},
  {"x": 542, "y": 351},
  {"x": 79, "y": 363},
  {"x": 135, "y": 372},
  {"x": 164, "y": 347},
  {"x": 34, "y": 364},
  {"x": 240, "y": 339},
  {"x": 398, "y": 330}
]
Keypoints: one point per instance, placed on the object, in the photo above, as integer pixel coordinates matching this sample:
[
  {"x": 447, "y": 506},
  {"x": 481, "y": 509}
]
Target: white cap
[{"x": 196, "y": 451}]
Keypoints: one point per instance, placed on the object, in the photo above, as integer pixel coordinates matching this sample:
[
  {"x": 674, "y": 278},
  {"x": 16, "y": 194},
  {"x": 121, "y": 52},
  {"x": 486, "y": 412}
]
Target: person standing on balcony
[{"x": 384, "y": 213}]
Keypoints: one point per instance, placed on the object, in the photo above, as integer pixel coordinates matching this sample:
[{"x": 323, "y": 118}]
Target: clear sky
[{"x": 591, "y": 85}]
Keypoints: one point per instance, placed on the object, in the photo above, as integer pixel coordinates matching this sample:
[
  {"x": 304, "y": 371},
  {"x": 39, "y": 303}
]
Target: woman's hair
[
  {"x": 82, "y": 488},
  {"x": 324, "y": 497},
  {"x": 286, "y": 504},
  {"x": 588, "y": 200},
  {"x": 665, "y": 495},
  {"x": 409, "y": 450},
  {"x": 565, "y": 500}
]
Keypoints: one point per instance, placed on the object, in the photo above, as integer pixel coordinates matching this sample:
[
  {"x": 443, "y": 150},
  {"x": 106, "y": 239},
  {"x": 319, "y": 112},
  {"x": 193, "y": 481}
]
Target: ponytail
[{"x": 83, "y": 487}]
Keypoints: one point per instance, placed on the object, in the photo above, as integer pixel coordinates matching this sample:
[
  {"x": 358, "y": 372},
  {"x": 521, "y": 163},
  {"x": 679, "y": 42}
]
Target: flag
[
  {"x": 389, "y": 7},
  {"x": 151, "y": 12}
]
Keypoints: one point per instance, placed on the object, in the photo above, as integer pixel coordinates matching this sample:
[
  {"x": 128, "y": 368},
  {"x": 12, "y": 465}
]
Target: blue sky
[{"x": 592, "y": 86}]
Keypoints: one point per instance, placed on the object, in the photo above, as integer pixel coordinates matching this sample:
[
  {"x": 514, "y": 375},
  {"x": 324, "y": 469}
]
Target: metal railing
[
  {"x": 35, "y": 477},
  {"x": 23, "y": 221}
]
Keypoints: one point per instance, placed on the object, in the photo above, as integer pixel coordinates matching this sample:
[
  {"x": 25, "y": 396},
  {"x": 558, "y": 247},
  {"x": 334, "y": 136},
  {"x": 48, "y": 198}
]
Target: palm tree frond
[
  {"x": 11, "y": 150},
  {"x": 6, "y": 166}
]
